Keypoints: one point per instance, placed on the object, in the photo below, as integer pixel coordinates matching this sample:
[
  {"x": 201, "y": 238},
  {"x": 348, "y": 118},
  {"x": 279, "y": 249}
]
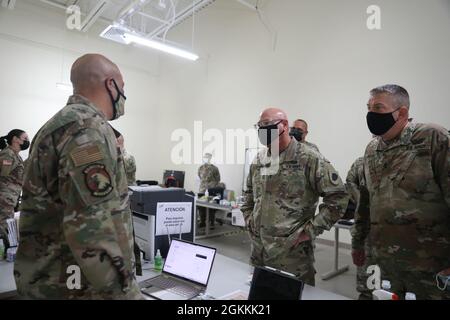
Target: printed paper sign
[{"x": 173, "y": 217}]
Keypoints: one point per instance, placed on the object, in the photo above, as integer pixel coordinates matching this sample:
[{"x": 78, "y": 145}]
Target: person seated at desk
[{"x": 171, "y": 182}]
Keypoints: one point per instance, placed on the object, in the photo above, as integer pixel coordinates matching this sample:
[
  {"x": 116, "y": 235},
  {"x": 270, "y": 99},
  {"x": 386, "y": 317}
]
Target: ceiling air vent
[{"x": 115, "y": 33}]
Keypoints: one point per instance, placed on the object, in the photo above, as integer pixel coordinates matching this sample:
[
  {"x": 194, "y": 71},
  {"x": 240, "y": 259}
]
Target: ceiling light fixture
[{"x": 131, "y": 38}]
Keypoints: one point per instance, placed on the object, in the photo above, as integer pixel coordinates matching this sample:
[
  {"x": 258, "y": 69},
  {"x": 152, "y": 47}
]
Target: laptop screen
[
  {"x": 272, "y": 284},
  {"x": 190, "y": 261}
]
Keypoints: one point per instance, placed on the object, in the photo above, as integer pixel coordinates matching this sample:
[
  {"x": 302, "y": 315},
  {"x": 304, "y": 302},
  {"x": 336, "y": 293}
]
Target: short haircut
[
  {"x": 301, "y": 120},
  {"x": 400, "y": 95}
]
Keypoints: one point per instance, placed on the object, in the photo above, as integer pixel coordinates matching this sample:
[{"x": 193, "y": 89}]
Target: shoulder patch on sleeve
[
  {"x": 82, "y": 139},
  {"x": 5, "y": 167},
  {"x": 86, "y": 155},
  {"x": 334, "y": 178},
  {"x": 98, "y": 180}
]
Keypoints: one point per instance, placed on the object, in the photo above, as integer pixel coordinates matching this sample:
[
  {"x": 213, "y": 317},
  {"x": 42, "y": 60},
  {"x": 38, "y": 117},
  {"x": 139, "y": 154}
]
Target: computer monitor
[
  {"x": 273, "y": 284},
  {"x": 172, "y": 178},
  {"x": 147, "y": 182}
]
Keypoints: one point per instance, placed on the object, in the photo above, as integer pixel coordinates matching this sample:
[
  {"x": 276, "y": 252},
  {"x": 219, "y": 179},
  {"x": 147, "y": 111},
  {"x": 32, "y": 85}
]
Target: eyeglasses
[{"x": 263, "y": 124}]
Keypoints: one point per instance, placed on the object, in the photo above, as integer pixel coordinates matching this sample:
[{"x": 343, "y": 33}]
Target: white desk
[
  {"x": 228, "y": 275},
  {"x": 208, "y": 206}
]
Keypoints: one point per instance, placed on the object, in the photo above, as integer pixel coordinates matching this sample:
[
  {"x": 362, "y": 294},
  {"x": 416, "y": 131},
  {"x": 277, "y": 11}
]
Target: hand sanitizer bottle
[
  {"x": 158, "y": 265},
  {"x": 2, "y": 250}
]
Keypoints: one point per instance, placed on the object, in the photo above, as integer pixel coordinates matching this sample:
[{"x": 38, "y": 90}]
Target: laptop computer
[
  {"x": 185, "y": 272},
  {"x": 272, "y": 284}
]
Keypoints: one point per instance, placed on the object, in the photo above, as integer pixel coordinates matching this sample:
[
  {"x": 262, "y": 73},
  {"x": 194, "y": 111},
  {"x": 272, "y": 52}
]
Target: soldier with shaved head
[
  {"x": 284, "y": 184},
  {"x": 76, "y": 235}
]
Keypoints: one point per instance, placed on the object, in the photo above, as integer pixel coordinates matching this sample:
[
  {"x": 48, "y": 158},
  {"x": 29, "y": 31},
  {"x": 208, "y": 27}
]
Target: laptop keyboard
[{"x": 172, "y": 286}]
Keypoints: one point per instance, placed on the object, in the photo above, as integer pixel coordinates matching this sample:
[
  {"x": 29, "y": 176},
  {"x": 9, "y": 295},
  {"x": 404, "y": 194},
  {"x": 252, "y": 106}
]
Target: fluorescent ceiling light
[
  {"x": 64, "y": 86},
  {"x": 129, "y": 38}
]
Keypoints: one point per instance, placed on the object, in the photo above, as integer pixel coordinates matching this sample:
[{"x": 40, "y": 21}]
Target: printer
[{"x": 144, "y": 200}]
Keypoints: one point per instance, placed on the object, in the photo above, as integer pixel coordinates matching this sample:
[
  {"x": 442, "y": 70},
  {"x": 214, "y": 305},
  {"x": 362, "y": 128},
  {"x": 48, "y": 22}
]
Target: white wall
[
  {"x": 36, "y": 52},
  {"x": 324, "y": 64}
]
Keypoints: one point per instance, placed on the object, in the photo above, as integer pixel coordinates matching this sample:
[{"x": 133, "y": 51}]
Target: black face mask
[
  {"x": 118, "y": 104},
  {"x": 296, "y": 133},
  {"x": 380, "y": 123},
  {"x": 265, "y": 134},
  {"x": 25, "y": 145}
]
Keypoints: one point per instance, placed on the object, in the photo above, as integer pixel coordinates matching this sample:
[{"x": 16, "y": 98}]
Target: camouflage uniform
[
  {"x": 279, "y": 207},
  {"x": 75, "y": 211},
  {"x": 11, "y": 179},
  {"x": 409, "y": 219},
  {"x": 130, "y": 168},
  {"x": 354, "y": 182},
  {"x": 130, "y": 171},
  {"x": 209, "y": 176},
  {"x": 311, "y": 145}
]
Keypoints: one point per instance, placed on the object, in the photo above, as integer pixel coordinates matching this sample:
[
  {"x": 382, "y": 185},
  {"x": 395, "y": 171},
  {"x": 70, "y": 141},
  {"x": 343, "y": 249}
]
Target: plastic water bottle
[
  {"x": 158, "y": 261},
  {"x": 386, "y": 285},
  {"x": 410, "y": 296},
  {"x": 11, "y": 254},
  {"x": 2, "y": 250}
]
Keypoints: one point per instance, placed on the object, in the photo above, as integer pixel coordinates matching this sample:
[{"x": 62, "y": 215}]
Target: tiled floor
[{"x": 237, "y": 246}]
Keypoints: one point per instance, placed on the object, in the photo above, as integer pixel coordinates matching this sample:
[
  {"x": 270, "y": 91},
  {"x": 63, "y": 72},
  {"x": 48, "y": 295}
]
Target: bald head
[
  {"x": 90, "y": 71},
  {"x": 274, "y": 117},
  {"x": 271, "y": 114},
  {"x": 98, "y": 79}
]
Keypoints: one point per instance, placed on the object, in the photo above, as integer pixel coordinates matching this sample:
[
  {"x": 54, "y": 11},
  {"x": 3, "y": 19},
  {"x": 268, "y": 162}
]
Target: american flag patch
[{"x": 85, "y": 155}]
